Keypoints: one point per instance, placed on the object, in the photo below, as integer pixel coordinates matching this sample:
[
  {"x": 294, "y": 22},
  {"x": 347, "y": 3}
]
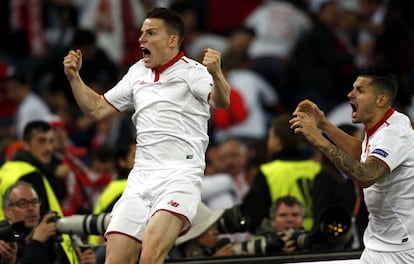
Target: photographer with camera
[
  {"x": 32, "y": 164},
  {"x": 202, "y": 240},
  {"x": 286, "y": 216},
  {"x": 24, "y": 237}
]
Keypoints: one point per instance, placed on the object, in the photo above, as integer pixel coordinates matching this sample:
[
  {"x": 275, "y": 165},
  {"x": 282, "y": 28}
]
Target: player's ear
[
  {"x": 174, "y": 41},
  {"x": 382, "y": 99}
]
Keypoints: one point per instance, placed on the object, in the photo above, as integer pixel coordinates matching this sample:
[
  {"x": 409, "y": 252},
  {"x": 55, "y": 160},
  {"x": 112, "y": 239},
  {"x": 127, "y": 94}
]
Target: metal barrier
[{"x": 346, "y": 257}]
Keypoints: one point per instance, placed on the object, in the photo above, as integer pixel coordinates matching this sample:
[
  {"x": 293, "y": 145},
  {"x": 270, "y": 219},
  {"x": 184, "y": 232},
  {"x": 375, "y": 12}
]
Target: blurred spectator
[
  {"x": 373, "y": 13},
  {"x": 235, "y": 154},
  {"x": 323, "y": 67},
  {"x": 188, "y": 13},
  {"x": 67, "y": 167},
  {"x": 8, "y": 110},
  {"x": 260, "y": 97},
  {"x": 196, "y": 48},
  {"x": 29, "y": 105},
  {"x": 278, "y": 24},
  {"x": 99, "y": 71},
  {"x": 348, "y": 23},
  {"x": 218, "y": 190},
  {"x": 116, "y": 24},
  {"x": 290, "y": 171},
  {"x": 202, "y": 238},
  {"x": 109, "y": 131},
  {"x": 396, "y": 42},
  {"x": 79, "y": 183},
  {"x": 61, "y": 22},
  {"x": 238, "y": 44},
  {"x": 31, "y": 165},
  {"x": 124, "y": 158},
  {"x": 219, "y": 21},
  {"x": 227, "y": 119},
  {"x": 102, "y": 171},
  {"x": 23, "y": 31}
]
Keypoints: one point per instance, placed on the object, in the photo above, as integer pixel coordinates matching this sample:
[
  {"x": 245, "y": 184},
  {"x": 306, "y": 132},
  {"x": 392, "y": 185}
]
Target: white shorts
[
  {"x": 370, "y": 256},
  {"x": 148, "y": 191}
]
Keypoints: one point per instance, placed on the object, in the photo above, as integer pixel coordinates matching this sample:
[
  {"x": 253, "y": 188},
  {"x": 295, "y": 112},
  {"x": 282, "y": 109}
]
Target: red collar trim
[
  {"x": 371, "y": 131},
  {"x": 162, "y": 68}
]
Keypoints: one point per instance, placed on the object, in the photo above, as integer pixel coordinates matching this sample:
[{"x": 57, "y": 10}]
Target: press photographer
[
  {"x": 24, "y": 237},
  {"x": 283, "y": 232},
  {"x": 279, "y": 232}
]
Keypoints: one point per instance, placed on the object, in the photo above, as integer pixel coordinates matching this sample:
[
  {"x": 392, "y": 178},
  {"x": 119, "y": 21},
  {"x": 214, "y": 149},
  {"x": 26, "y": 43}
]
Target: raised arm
[
  {"x": 91, "y": 103},
  {"x": 347, "y": 143},
  {"x": 220, "y": 94},
  {"x": 308, "y": 119}
]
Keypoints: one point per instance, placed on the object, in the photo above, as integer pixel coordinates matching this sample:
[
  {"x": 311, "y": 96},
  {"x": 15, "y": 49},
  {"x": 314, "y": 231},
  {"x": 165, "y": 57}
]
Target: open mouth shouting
[
  {"x": 354, "y": 107},
  {"x": 146, "y": 53}
]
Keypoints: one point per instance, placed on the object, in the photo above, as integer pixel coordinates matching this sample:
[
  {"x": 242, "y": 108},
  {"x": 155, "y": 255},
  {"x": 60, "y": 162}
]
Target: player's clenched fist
[
  {"x": 72, "y": 63},
  {"x": 212, "y": 60}
]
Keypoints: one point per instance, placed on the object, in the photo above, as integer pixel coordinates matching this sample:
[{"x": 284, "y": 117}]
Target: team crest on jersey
[{"x": 380, "y": 152}]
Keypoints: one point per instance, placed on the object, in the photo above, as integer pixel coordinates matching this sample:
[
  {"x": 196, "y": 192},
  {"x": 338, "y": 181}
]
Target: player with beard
[{"x": 382, "y": 163}]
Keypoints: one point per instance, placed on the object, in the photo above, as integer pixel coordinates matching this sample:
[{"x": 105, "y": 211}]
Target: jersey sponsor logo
[
  {"x": 173, "y": 203},
  {"x": 380, "y": 152}
]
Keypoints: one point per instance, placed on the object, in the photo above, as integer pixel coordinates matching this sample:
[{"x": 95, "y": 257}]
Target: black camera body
[
  {"x": 13, "y": 232},
  {"x": 58, "y": 237},
  {"x": 53, "y": 219},
  {"x": 233, "y": 220}
]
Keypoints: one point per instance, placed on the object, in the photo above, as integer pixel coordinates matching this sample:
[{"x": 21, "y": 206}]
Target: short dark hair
[
  {"x": 104, "y": 153},
  {"x": 291, "y": 141},
  {"x": 37, "y": 125},
  {"x": 172, "y": 19},
  {"x": 382, "y": 79},
  {"x": 289, "y": 201},
  {"x": 122, "y": 150}
]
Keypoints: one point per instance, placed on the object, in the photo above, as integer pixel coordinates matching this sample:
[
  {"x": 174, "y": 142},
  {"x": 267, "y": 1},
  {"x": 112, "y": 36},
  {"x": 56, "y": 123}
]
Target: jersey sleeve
[
  {"x": 391, "y": 146},
  {"x": 121, "y": 96},
  {"x": 201, "y": 83}
]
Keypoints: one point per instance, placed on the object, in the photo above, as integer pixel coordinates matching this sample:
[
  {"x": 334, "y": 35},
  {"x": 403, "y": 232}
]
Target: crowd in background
[{"x": 274, "y": 53}]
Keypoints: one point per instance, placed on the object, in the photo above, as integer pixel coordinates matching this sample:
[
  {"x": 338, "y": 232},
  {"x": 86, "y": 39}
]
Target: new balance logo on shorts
[{"x": 173, "y": 204}]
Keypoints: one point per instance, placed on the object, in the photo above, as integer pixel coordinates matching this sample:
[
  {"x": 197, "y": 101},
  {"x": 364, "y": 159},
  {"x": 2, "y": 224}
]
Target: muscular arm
[
  {"x": 91, "y": 103},
  {"x": 365, "y": 174},
  {"x": 349, "y": 144},
  {"x": 220, "y": 94},
  {"x": 307, "y": 121}
]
